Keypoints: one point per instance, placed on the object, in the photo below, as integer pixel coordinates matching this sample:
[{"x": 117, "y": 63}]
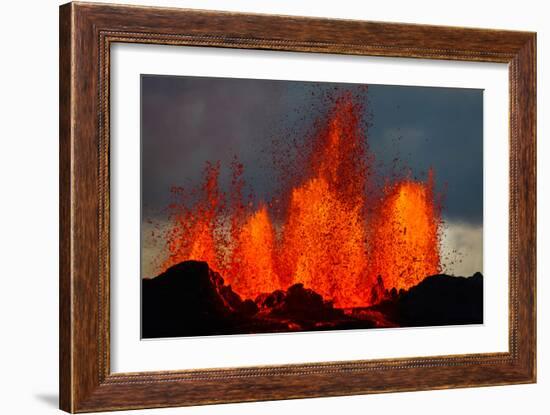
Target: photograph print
[{"x": 275, "y": 206}]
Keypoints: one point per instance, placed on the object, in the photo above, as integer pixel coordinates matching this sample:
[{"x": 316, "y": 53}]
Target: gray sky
[{"x": 187, "y": 121}]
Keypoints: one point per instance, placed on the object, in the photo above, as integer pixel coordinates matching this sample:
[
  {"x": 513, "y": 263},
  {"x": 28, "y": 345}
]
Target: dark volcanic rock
[
  {"x": 190, "y": 299},
  {"x": 300, "y": 304},
  {"x": 267, "y": 301},
  {"x": 437, "y": 300}
]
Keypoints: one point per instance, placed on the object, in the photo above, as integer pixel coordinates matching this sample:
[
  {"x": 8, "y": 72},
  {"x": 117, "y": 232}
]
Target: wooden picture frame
[{"x": 86, "y": 33}]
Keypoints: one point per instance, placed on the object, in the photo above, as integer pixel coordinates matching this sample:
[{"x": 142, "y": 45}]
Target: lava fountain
[
  {"x": 335, "y": 235},
  {"x": 405, "y": 239}
]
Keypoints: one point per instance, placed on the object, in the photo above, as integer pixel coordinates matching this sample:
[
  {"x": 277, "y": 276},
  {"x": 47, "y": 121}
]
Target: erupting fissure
[{"x": 336, "y": 235}]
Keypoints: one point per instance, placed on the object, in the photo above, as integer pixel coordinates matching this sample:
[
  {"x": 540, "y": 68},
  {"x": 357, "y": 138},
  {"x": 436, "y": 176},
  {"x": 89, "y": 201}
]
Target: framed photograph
[{"x": 258, "y": 207}]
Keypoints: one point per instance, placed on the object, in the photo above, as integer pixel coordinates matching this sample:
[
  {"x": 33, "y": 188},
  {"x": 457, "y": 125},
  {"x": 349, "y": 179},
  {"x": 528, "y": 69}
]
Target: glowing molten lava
[
  {"x": 405, "y": 243},
  {"x": 253, "y": 270},
  {"x": 334, "y": 235},
  {"x": 324, "y": 235}
]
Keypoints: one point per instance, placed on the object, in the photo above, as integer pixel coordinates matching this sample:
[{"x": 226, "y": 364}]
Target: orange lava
[
  {"x": 325, "y": 238},
  {"x": 405, "y": 242},
  {"x": 252, "y": 271},
  {"x": 192, "y": 234}
]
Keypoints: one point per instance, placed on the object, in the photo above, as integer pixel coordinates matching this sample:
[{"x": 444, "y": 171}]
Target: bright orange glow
[
  {"x": 252, "y": 271},
  {"x": 324, "y": 239},
  {"x": 333, "y": 235},
  {"x": 324, "y": 244},
  {"x": 192, "y": 232},
  {"x": 405, "y": 247}
]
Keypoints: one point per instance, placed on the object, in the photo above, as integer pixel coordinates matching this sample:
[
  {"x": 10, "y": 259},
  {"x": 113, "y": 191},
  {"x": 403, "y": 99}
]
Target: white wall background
[{"x": 29, "y": 207}]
